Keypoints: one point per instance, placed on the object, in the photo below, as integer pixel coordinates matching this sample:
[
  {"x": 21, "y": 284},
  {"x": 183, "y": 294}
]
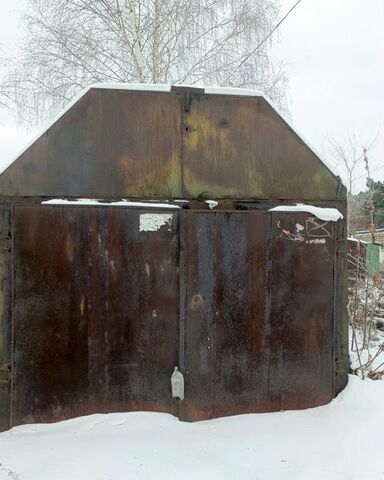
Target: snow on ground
[{"x": 339, "y": 441}]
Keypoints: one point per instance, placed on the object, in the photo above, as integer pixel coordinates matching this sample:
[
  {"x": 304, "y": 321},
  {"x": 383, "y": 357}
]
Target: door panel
[
  {"x": 96, "y": 311},
  {"x": 226, "y": 310},
  {"x": 259, "y": 313},
  {"x": 141, "y": 336},
  {"x": 242, "y": 318},
  {"x": 50, "y": 315},
  {"x": 102, "y": 314},
  {"x": 198, "y": 286},
  {"x": 302, "y": 296}
]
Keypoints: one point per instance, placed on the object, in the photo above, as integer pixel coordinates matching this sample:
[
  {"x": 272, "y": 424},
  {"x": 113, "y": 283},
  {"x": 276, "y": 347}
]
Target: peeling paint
[
  {"x": 316, "y": 241},
  {"x": 151, "y": 222},
  {"x": 82, "y": 305}
]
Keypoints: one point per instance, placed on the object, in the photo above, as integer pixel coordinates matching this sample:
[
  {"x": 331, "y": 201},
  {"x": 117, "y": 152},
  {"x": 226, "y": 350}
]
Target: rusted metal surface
[
  {"x": 50, "y": 323},
  {"x": 242, "y": 313},
  {"x": 5, "y": 318},
  {"x": 259, "y": 312},
  {"x": 97, "y": 308},
  {"x": 96, "y": 314},
  {"x": 165, "y": 145},
  {"x": 109, "y": 144},
  {"x": 240, "y": 146},
  {"x": 108, "y": 302},
  {"x": 138, "y": 346},
  {"x": 198, "y": 243},
  {"x": 341, "y": 320},
  {"x": 302, "y": 308}
]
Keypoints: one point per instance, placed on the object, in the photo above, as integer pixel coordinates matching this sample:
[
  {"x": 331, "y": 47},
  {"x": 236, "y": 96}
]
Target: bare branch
[
  {"x": 69, "y": 44},
  {"x": 348, "y": 154}
]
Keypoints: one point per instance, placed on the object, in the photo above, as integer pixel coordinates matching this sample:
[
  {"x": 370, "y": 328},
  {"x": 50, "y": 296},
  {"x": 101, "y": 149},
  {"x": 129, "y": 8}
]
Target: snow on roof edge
[
  {"x": 115, "y": 203},
  {"x": 325, "y": 214},
  {"x": 241, "y": 92},
  {"x": 147, "y": 87},
  {"x": 357, "y": 240},
  {"x": 153, "y": 87}
]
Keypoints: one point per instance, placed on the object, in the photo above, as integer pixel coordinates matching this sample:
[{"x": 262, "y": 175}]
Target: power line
[{"x": 264, "y": 40}]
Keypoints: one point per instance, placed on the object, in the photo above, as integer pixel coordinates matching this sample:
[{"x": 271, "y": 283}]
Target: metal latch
[{"x": 177, "y": 383}]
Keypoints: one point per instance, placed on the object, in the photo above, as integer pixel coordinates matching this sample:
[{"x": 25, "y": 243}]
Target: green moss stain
[
  {"x": 196, "y": 187},
  {"x": 218, "y": 162},
  {"x": 324, "y": 183},
  {"x": 162, "y": 179}
]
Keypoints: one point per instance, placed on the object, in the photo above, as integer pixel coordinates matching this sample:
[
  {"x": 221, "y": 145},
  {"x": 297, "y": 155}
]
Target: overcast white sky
[{"x": 335, "y": 53}]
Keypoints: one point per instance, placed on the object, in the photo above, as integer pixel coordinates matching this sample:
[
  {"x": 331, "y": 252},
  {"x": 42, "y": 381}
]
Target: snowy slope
[{"x": 340, "y": 441}]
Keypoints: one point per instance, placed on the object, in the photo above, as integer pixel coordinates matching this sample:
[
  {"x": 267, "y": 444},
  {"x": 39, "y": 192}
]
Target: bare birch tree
[
  {"x": 69, "y": 44},
  {"x": 3, "y": 64},
  {"x": 350, "y": 156}
]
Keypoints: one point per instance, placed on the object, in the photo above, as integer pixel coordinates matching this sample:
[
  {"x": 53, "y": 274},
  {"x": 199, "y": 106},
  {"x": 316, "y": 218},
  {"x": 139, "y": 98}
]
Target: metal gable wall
[{"x": 121, "y": 143}]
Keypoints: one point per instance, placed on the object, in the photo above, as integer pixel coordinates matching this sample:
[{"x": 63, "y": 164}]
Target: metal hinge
[
  {"x": 5, "y": 243},
  {"x": 5, "y": 373},
  {"x": 339, "y": 367},
  {"x": 341, "y": 243}
]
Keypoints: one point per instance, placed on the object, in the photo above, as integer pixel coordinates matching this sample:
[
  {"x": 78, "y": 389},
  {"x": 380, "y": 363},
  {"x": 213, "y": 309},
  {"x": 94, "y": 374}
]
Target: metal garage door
[{"x": 108, "y": 300}]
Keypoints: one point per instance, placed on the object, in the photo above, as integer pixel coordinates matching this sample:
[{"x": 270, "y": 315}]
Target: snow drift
[{"x": 334, "y": 442}]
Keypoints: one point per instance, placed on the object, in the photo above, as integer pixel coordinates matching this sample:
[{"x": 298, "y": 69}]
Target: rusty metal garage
[{"x": 137, "y": 235}]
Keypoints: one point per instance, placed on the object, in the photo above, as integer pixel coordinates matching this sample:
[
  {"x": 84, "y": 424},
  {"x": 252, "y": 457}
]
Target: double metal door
[{"x": 108, "y": 300}]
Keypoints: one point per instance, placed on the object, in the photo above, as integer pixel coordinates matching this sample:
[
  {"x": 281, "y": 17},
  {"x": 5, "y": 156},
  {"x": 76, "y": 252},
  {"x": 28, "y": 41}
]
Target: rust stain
[
  {"x": 82, "y": 305},
  {"x": 197, "y": 301},
  {"x": 69, "y": 247},
  {"x": 161, "y": 178},
  {"x": 126, "y": 164},
  {"x": 219, "y": 156},
  {"x": 143, "y": 144},
  {"x": 80, "y": 361}
]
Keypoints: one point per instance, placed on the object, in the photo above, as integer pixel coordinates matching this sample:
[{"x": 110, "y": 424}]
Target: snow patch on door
[{"x": 151, "y": 222}]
